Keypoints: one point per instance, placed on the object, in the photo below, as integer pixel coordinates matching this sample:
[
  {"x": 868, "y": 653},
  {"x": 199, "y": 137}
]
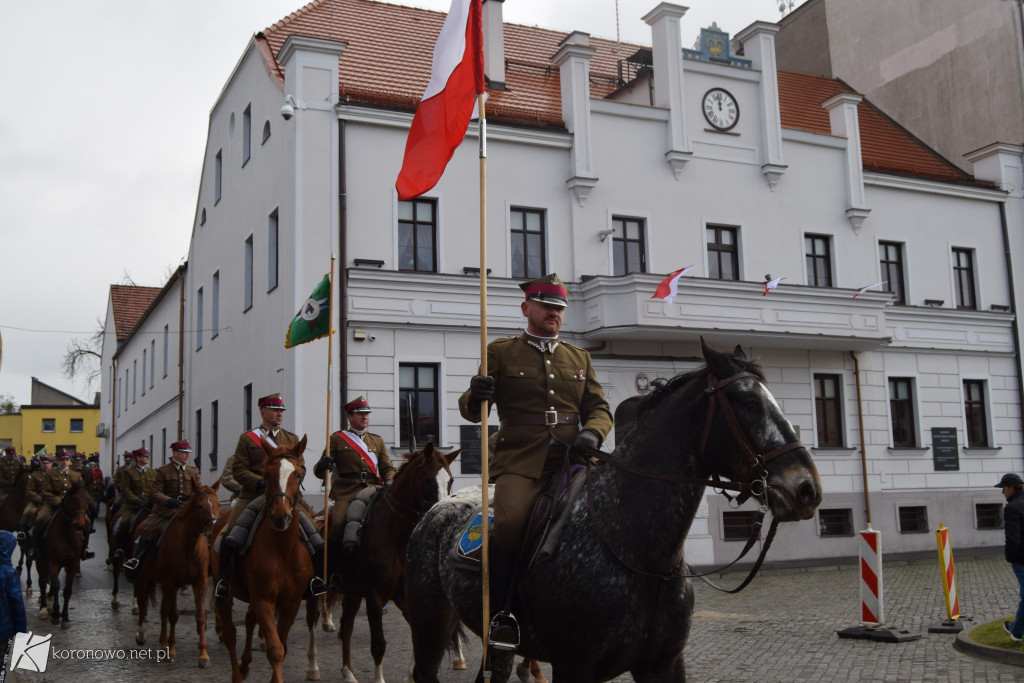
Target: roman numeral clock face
[{"x": 720, "y": 108}]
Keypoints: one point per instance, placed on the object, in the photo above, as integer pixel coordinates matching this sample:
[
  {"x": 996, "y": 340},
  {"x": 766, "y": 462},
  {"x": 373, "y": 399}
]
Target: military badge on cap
[
  {"x": 548, "y": 289},
  {"x": 183, "y": 446},
  {"x": 358, "y": 405},
  {"x": 275, "y": 401}
]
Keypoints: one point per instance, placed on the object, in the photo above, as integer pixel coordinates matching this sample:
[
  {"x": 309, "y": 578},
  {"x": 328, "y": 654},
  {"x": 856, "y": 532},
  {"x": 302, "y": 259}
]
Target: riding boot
[
  {"x": 132, "y": 565},
  {"x": 87, "y": 552},
  {"x": 227, "y": 556},
  {"x": 317, "y": 587},
  {"x": 334, "y": 583},
  {"x": 504, "y": 630}
]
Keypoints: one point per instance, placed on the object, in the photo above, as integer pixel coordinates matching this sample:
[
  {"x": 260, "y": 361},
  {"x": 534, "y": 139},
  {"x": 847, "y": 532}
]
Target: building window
[
  {"x": 215, "y": 306},
  {"x": 963, "y": 278},
  {"x": 266, "y": 132},
  {"x": 835, "y": 522},
  {"x": 417, "y": 233},
  {"x": 199, "y": 318},
  {"x": 49, "y": 424},
  {"x": 628, "y": 251},
  {"x": 828, "y": 410},
  {"x": 247, "y": 407},
  {"x": 144, "y": 371},
  {"x": 272, "y": 250},
  {"x": 417, "y": 403},
  {"x": 135, "y": 377},
  {"x": 167, "y": 347},
  {"x": 976, "y": 413},
  {"x": 737, "y": 525},
  {"x": 901, "y": 407},
  {"x": 152, "y": 362},
  {"x": 125, "y": 390},
  {"x": 723, "y": 253},
  {"x": 819, "y": 260},
  {"x": 214, "y": 428},
  {"x": 913, "y": 519},
  {"x": 527, "y": 234},
  {"x": 163, "y": 446},
  {"x": 218, "y": 167},
  {"x": 197, "y": 461},
  {"x": 989, "y": 515},
  {"x": 890, "y": 260},
  {"x": 246, "y": 134},
  {"x": 247, "y": 284}
]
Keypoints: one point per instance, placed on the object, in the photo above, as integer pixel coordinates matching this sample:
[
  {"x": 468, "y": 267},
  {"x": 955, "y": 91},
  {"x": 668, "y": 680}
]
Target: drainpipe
[
  {"x": 1013, "y": 303},
  {"x": 863, "y": 445},
  {"x": 113, "y": 408},
  {"x": 341, "y": 286},
  {"x": 181, "y": 348}
]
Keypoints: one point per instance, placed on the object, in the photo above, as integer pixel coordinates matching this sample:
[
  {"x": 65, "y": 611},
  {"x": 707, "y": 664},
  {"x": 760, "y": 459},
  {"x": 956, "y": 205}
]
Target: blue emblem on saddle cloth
[{"x": 473, "y": 537}]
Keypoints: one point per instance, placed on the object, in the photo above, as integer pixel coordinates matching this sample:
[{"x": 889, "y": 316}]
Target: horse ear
[
  {"x": 716, "y": 361},
  {"x": 216, "y": 484},
  {"x": 265, "y": 445},
  {"x": 738, "y": 353},
  {"x": 302, "y": 445},
  {"x": 428, "y": 451},
  {"x": 450, "y": 458}
]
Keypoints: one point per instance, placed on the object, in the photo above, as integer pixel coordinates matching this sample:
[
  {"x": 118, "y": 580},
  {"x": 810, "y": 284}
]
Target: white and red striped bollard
[
  {"x": 948, "y": 572},
  {"x": 871, "y": 607}
]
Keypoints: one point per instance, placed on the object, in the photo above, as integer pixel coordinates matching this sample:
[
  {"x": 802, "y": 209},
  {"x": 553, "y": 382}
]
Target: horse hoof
[
  {"x": 28, "y": 591},
  {"x": 204, "y": 662},
  {"x": 523, "y": 673},
  {"x": 347, "y": 676},
  {"x": 135, "y": 610},
  {"x": 65, "y": 624},
  {"x": 458, "y": 665},
  {"x": 140, "y": 640},
  {"x": 44, "y": 613},
  {"x": 55, "y": 618},
  {"x": 313, "y": 675},
  {"x": 114, "y": 604},
  {"x": 330, "y": 628}
]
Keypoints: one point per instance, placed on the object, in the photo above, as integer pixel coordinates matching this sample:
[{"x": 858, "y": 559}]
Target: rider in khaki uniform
[
  {"x": 172, "y": 485},
  {"x": 136, "y": 481},
  {"x": 55, "y": 486},
  {"x": 34, "y": 493},
  {"x": 247, "y": 468},
  {"x": 10, "y": 466},
  {"x": 549, "y": 400},
  {"x": 358, "y": 459}
]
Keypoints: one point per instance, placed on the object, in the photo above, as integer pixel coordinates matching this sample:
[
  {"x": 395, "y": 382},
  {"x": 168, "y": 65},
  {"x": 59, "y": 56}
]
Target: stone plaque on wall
[
  {"x": 469, "y": 438},
  {"x": 945, "y": 452}
]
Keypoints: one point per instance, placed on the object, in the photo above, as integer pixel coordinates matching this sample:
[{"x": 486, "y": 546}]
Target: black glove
[
  {"x": 261, "y": 486},
  {"x": 172, "y": 503},
  {"x": 586, "y": 439},
  {"x": 481, "y": 388},
  {"x": 325, "y": 463}
]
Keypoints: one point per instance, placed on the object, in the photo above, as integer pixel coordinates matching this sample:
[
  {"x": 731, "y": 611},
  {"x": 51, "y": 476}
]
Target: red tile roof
[
  {"x": 390, "y": 47},
  {"x": 129, "y": 303}
]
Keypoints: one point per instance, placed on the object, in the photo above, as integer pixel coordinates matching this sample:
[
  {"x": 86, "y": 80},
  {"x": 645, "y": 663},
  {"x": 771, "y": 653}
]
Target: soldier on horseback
[
  {"x": 57, "y": 482},
  {"x": 248, "y": 472},
  {"x": 357, "y": 459},
  {"x": 10, "y": 466},
  {"x": 136, "y": 481},
  {"x": 549, "y": 401},
  {"x": 35, "y": 495},
  {"x": 173, "y": 484}
]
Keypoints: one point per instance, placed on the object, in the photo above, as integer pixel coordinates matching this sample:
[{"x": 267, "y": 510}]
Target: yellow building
[{"x": 54, "y": 421}]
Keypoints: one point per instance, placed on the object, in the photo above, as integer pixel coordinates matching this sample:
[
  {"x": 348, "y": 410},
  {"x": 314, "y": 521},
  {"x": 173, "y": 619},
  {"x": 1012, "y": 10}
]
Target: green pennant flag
[{"x": 314, "y": 318}]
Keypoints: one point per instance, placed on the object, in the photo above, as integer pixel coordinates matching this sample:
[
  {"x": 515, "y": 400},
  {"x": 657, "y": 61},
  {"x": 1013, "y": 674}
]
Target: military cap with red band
[
  {"x": 275, "y": 401},
  {"x": 141, "y": 452},
  {"x": 45, "y": 458},
  {"x": 10, "y": 450},
  {"x": 183, "y": 446},
  {"x": 548, "y": 289},
  {"x": 358, "y": 405}
]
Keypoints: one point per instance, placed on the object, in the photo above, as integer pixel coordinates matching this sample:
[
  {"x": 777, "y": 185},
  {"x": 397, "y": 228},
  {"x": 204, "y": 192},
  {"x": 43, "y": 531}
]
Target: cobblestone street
[{"x": 780, "y": 628}]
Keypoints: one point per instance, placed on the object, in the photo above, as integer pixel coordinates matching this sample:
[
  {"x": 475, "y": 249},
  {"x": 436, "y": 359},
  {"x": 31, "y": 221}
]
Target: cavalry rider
[
  {"x": 549, "y": 401},
  {"x": 137, "y": 480},
  {"x": 172, "y": 486},
  {"x": 10, "y": 466},
  {"x": 358, "y": 460},
  {"x": 227, "y": 479},
  {"x": 34, "y": 493},
  {"x": 248, "y": 472},
  {"x": 57, "y": 482}
]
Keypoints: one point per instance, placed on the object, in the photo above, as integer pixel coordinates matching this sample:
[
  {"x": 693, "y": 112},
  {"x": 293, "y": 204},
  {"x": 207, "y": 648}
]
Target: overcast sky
[{"x": 102, "y": 132}]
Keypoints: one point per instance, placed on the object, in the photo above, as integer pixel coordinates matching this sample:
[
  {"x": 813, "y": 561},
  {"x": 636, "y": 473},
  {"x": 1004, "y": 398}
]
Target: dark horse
[
  {"x": 182, "y": 560},
  {"x": 375, "y": 570},
  {"x": 274, "y": 572},
  {"x": 61, "y": 548},
  {"x": 615, "y": 596},
  {"x": 11, "y": 509}
]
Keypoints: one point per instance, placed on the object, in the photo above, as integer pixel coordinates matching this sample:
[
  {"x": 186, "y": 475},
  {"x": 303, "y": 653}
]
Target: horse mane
[{"x": 663, "y": 388}]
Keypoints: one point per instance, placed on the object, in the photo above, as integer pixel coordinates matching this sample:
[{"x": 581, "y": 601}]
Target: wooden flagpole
[
  {"x": 485, "y": 575},
  {"x": 327, "y": 446}
]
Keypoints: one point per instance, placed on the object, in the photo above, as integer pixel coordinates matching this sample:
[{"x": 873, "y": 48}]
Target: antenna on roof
[
  {"x": 785, "y": 6},
  {"x": 618, "y": 42}
]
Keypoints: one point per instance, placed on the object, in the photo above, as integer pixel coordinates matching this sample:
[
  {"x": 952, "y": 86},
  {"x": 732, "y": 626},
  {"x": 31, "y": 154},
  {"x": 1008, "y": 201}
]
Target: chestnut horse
[
  {"x": 275, "y": 572},
  {"x": 61, "y": 548},
  {"x": 181, "y": 560},
  {"x": 375, "y": 570}
]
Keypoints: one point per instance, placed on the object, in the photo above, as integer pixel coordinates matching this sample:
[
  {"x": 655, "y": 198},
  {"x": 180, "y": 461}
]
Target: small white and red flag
[
  {"x": 864, "y": 289},
  {"x": 772, "y": 284},
  {"x": 670, "y": 286},
  {"x": 449, "y": 102}
]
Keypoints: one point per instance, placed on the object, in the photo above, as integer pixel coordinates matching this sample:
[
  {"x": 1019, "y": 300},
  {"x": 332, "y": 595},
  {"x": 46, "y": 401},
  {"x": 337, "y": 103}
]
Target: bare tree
[
  {"x": 8, "y": 406},
  {"x": 82, "y": 360}
]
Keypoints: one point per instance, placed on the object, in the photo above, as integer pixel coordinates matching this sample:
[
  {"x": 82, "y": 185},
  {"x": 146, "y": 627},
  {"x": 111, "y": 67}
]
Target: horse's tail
[{"x": 459, "y": 638}]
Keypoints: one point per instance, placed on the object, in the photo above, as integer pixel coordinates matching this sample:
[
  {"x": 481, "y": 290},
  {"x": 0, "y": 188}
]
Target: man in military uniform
[
  {"x": 358, "y": 459},
  {"x": 137, "y": 481},
  {"x": 247, "y": 469},
  {"x": 10, "y": 466},
  {"x": 173, "y": 484},
  {"x": 34, "y": 493},
  {"x": 549, "y": 401},
  {"x": 55, "y": 486},
  {"x": 227, "y": 479}
]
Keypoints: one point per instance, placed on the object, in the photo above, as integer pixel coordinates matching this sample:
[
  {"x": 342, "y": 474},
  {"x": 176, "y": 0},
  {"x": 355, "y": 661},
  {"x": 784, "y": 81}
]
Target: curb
[{"x": 964, "y": 644}]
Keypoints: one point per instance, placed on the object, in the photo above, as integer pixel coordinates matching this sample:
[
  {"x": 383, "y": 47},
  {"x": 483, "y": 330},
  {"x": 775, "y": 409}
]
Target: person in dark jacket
[
  {"x": 1013, "y": 525},
  {"x": 12, "y": 604}
]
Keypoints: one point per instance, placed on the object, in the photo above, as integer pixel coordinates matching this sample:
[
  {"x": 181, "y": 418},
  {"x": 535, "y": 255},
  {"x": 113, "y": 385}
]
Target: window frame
[
  {"x": 976, "y": 405},
  {"x": 813, "y": 259},
  {"x": 910, "y": 418},
  {"x": 730, "y": 519},
  {"x": 167, "y": 345},
  {"x": 965, "y": 283},
  {"x": 218, "y": 176},
  {"x": 246, "y": 134},
  {"x": 521, "y": 234},
  {"x": 199, "y": 319},
  {"x": 717, "y": 249},
  {"x": 837, "y": 403},
  {"x": 401, "y": 430},
  {"x": 414, "y": 223},
  {"x": 248, "y": 275},
  {"x": 144, "y": 359},
  {"x": 81, "y": 425},
  {"x": 886, "y": 267},
  {"x": 847, "y": 528},
  {"x": 215, "y": 305},
  {"x": 621, "y": 241},
  {"x": 273, "y": 253},
  {"x": 53, "y": 425}
]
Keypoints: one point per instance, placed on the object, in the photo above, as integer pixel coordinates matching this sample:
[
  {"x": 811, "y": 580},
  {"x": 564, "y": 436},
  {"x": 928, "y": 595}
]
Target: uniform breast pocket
[{"x": 521, "y": 372}]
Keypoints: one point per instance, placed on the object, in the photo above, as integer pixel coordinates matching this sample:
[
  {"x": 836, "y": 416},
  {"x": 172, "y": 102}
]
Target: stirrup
[
  {"x": 334, "y": 584},
  {"x": 317, "y": 586},
  {"x": 20, "y": 536},
  {"x": 504, "y": 632},
  {"x": 222, "y": 591},
  {"x": 88, "y": 553},
  {"x": 131, "y": 564}
]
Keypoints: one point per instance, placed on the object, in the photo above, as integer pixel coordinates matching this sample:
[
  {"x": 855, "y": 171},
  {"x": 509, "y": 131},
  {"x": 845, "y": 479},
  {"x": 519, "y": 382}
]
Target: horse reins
[
  {"x": 755, "y": 483},
  {"x": 284, "y": 494}
]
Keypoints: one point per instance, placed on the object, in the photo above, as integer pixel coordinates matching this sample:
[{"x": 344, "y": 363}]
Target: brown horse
[
  {"x": 61, "y": 548},
  {"x": 182, "y": 560},
  {"x": 273, "y": 575},
  {"x": 375, "y": 570},
  {"x": 13, "y": 504}
]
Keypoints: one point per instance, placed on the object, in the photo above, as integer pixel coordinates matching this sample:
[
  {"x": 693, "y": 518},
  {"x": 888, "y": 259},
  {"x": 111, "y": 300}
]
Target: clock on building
[{"x": 720, "y": 108}]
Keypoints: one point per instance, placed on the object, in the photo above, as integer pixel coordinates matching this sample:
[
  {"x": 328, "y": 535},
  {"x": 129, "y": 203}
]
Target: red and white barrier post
[
  {"x": 948, "y": 572},
  {"x": 872, "y": 607}
]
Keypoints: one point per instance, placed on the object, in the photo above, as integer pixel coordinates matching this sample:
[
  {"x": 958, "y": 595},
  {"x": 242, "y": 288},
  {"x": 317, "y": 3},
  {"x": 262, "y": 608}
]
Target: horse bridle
[
  {"x": 284, "y": 494},
  {"x": 755, "y": 482},
  {"x": 417, "y": 514}
]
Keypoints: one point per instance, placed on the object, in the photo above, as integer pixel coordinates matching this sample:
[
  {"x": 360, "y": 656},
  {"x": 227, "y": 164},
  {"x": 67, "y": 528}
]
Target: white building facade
[{"x": 907, "y": 395}]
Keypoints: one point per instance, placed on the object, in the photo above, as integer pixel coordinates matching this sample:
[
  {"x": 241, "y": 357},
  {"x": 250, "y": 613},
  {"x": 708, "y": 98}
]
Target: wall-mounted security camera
[
  {"x": 373, "y": 337},
  {"x": 287, "y": 112}
]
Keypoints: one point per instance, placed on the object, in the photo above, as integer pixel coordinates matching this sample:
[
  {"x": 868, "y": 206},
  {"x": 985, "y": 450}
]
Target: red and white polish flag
[
  {"x": 670, "y": 286},
  {"x": 772, "y": 284},
  {"x": 448, "y": 104},
  {"x": 864, "y": 289}
]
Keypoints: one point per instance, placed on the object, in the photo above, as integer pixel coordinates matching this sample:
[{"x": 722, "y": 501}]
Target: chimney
[{"x": 494, "y": 44}]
